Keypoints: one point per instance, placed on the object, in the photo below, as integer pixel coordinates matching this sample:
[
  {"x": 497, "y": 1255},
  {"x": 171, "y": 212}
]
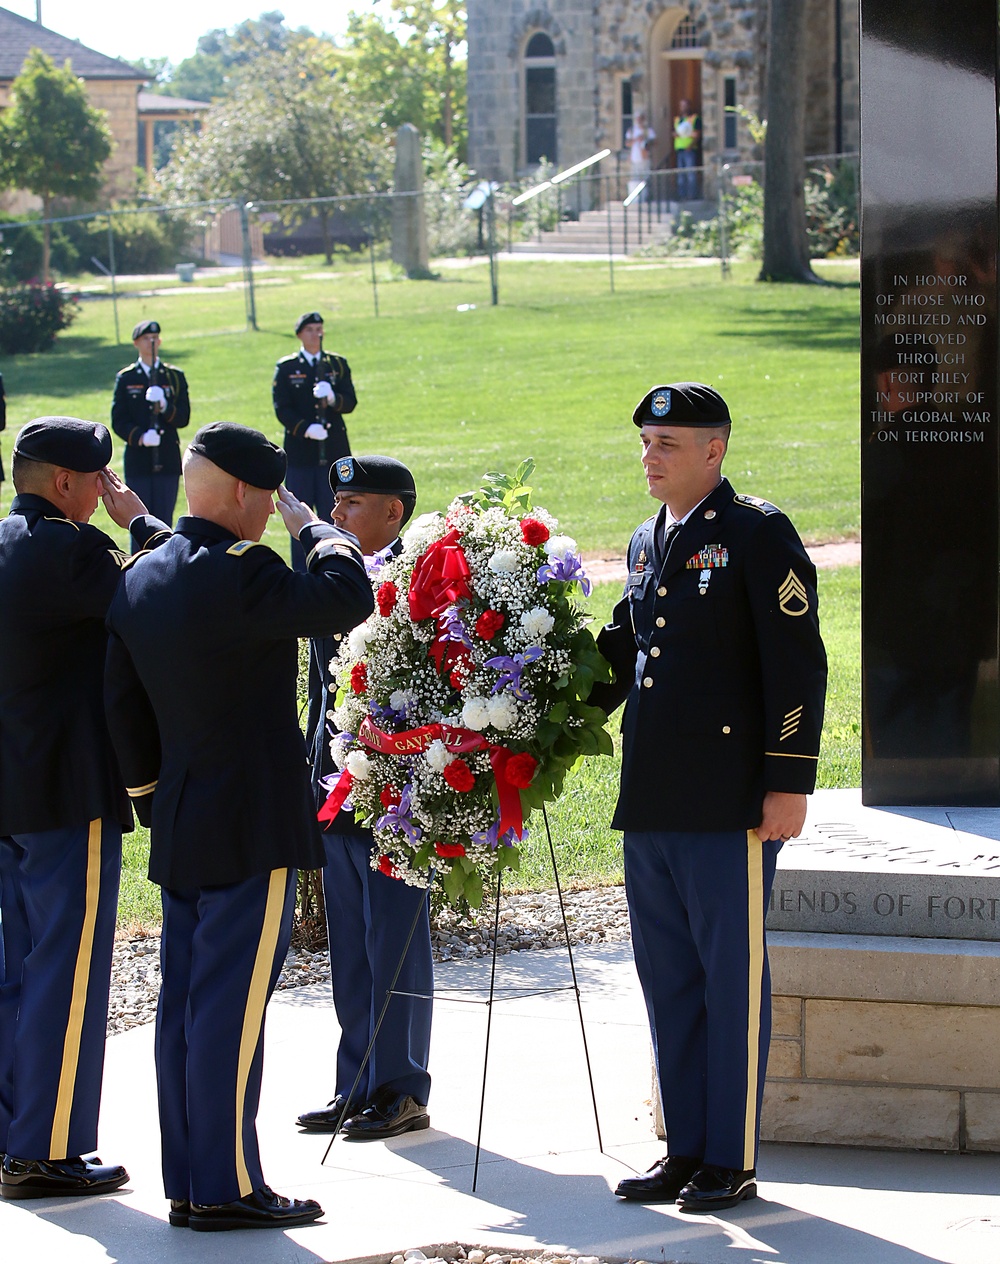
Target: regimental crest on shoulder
[
  {"x": 793, "y": 597},
  {"x": 659, "y": 405}
]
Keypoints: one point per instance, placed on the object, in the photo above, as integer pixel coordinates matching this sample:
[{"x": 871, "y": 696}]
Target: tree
[
  {"x": 413, "y": 72},
  {"x": 786, "y": 246},
  {"x": 52, "y": 141},
  {"x": 291, "y": 130}
]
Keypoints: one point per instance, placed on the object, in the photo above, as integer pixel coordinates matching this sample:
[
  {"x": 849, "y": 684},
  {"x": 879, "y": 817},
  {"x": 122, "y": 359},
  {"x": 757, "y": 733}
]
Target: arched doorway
[{"x": 675, "y": 64}]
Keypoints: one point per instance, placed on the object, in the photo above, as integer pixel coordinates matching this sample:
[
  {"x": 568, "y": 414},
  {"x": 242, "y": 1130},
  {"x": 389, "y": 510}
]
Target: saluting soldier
[
  {"x": 312, "y": 391},
  {"x": 201, "y": 675},
  {"x": 150, "y": 405},
  {"x": 369, "y": 916},
  {"x": 716, "y": 646},
  {"x": 63, "y": 804}
]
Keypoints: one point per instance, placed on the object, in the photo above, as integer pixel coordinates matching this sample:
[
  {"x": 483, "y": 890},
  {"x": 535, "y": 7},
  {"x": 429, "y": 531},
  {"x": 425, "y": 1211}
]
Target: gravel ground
[{"x": 527, "y": 922}]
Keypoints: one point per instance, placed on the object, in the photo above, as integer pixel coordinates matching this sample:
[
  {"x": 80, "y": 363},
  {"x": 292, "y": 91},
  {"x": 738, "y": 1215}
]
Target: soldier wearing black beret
[
  {"x": 312, "y": 392},
  {"x": 369, "y": 915},
  {"x": 151, "y": 403},
  {"x": 63, "y": 804},
  {"x": 716, "y": 647},
  {"x": 202, "y": 664}
]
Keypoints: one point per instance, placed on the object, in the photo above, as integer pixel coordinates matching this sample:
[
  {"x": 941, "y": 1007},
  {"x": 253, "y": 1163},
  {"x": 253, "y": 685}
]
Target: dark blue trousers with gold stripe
[
  {"x": 58, "y": 901},
  {"x": 697, "y": 903},
  {"x": 368, "y": 917},
  {"x": 221, "y": 952}
]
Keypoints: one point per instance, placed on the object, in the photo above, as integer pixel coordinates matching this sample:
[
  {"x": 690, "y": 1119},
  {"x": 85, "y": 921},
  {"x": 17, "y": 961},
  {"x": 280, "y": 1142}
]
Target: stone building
[
  {"x": 112, "y": 86},
  {"x": 562, "y": 79}
]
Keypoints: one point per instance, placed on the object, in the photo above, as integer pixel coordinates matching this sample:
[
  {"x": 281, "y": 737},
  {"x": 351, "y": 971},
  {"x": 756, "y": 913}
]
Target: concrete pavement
[{"x": 543, "y": 1181}]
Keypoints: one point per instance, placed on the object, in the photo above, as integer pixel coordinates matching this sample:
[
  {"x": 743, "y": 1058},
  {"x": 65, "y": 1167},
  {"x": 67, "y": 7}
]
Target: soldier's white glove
[
  {"x": 149, "y": 439},
  {"x": 155, "y": 395},
  {"x": 322, "y": 390},
  {"x": 315, "y": 431}
]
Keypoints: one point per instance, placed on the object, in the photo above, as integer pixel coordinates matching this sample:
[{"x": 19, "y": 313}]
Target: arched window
[
  {"x": 539, "y": 99},
  {"x": 686, "y": 34}
]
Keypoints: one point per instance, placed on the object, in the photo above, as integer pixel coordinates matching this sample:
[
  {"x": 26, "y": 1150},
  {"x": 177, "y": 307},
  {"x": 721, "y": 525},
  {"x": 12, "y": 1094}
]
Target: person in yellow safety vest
[{"x": 687, "y": 139}]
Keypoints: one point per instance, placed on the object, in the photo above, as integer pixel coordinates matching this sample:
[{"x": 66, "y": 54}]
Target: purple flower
[
  {"x": 397, "y": 819},
  {"x": 489, "y": 837},
  {"x": 510, "y": 669},
  {"x": 566, "y": 570},
  {"x": 454, "y": 629}
]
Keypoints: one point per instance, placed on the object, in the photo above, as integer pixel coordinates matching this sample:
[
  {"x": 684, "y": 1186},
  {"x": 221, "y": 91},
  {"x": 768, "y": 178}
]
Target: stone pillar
[
  {"x": 409, "y": 225},
  {"x": 929, "y": 441}
]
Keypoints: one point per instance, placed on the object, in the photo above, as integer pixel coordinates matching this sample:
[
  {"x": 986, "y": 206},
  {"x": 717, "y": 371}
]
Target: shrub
[{"x": 32, "y": 315}]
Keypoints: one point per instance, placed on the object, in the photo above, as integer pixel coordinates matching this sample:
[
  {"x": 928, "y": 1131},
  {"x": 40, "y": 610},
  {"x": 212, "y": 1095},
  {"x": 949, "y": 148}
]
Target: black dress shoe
[
  {"x": 262, "y": 1209},
  {"x": 180, "y": 1211},
  {"x": 331, "y": 1116},
  {"x": 716, "y": 1188},
  {"x": 389, "y": 1115},
  {"x": 661, "y": 1183},
  {"x": 55, "y": 1178}
]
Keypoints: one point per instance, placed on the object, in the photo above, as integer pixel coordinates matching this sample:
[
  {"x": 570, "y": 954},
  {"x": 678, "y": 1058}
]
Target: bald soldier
[
  {"x": 716, "y": 647},
  {"x": 63, "y": 804},
  {"x": 202, "y": 665}
]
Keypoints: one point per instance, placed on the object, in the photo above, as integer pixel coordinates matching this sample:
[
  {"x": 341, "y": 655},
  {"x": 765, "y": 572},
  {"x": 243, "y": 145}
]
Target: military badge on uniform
[
  {"x": 710, "y": 558},
  {"x": 793, "y": 599},
  {"x": 660, "y": 404},
  {"x": 345, "y": 469},
  {"x": 640, "y": 565},
  {"x": 790, "y": 724}
]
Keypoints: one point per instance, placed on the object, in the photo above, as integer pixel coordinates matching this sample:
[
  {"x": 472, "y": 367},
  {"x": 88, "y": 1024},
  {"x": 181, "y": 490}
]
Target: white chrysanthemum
[
  {"x": 537, "y": 622},
  {"x": 359, "y": 765},
  {"x": 560, "y": 545},
  {"x": 401, "y": 699},
  {"x": 422, "y": 531},
  {"x": 438, "y": 755},
  {"x": 343, "y": 717},
  {"x": 340, "y": 748},
  {"x": 502, "y": 711},
  {"x": 504, "y": 562},
  {"x": 476, "y": 714},
  {"x": 358, "y": 640}
]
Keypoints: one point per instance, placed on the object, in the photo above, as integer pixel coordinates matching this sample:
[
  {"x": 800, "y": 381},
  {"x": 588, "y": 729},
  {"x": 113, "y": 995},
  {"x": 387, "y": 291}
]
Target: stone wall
[{"x": 881, "y": 1041}]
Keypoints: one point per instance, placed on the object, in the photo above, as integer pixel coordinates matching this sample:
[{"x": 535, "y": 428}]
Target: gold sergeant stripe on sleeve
[
  {"x": 334, "y": 546},
  {"x": 136, "y": 792}
]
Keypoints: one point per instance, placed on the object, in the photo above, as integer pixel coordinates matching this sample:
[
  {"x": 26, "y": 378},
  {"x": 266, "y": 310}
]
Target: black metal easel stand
[{"x": 491, "y": 999}]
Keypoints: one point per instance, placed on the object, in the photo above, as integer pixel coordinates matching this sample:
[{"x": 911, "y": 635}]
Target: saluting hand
[
  {"x": 294, "y": 513},
  {"x": 120, "y": 501}
]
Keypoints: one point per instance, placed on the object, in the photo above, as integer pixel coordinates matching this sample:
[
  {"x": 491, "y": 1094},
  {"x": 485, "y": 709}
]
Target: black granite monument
[{"x": 929, "y": 428}]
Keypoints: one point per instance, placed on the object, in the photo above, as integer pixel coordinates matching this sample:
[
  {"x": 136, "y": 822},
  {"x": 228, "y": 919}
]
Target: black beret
[
  {"x": 145, "y": 327},
  {"x": 682, "y": 404},
  {"x": 308, "y": 318},
  {"x": 72, "y": 444},
  {"x": 379, "y": 475},
  {"x": 246, "y": 454}
]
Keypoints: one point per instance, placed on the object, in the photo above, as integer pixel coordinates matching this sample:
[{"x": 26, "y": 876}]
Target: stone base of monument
[{"x": 884, "y": 933}]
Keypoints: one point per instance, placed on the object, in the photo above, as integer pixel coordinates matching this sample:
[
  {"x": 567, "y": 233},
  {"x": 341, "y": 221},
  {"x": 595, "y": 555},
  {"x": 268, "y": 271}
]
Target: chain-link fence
[{"x": 596, "y": 210}]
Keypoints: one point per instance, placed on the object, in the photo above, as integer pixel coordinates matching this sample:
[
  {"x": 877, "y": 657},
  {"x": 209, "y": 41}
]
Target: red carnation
[
  {"x": 449, "y": 849},
  {"x": 520, "y": 770},
  {"x": 489, "y": 624},
  {"x": 459, "y": 775},
  {"x": 386, "y": 866},
  {"x": 359, "y": 677},
  {"x": 533, "y": 532},
  {"x": 386, "y": 598},
  {"x": 390, "y": 797}
]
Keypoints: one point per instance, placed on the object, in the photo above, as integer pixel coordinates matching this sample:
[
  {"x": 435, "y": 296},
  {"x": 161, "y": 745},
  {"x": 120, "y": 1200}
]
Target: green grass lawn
[{"x": 553, "y": 372}]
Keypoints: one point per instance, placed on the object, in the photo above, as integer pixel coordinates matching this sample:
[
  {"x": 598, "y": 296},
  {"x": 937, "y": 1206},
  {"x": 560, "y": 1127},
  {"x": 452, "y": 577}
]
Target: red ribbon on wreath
[{"x": 440, "y": 578}]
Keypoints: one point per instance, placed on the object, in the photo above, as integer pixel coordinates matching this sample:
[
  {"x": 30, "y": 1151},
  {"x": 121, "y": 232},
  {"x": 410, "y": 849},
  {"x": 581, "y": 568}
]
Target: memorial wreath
[{"x": 461, "y": 702}]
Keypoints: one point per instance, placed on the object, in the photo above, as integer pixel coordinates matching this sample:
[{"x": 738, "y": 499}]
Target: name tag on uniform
[{"x": 710, "y": 558}]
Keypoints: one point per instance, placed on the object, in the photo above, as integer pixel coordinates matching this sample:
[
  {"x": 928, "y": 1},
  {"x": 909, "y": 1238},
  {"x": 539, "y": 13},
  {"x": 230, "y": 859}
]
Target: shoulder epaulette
[
  {"x": 66, "y": 521},
  {"x": 241, "y": 547},
  {"x": 125, "y": 368},
  {"x": 285, "y": 359},
  {"x": 755, "y": 502}
]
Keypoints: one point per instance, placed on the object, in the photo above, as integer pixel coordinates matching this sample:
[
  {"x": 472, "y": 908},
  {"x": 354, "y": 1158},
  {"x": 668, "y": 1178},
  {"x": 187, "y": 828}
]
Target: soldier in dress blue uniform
[
  {"x": 3, "y": 419},
  {"x": 202, "y": 662},
  {"x": 63, "y": 804},
  {"x": 716, "y": 647},
  {"x": 312, "y": 392},
  {"x": 369, "y": 916},
  {"x": 150, "y": 405}
]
